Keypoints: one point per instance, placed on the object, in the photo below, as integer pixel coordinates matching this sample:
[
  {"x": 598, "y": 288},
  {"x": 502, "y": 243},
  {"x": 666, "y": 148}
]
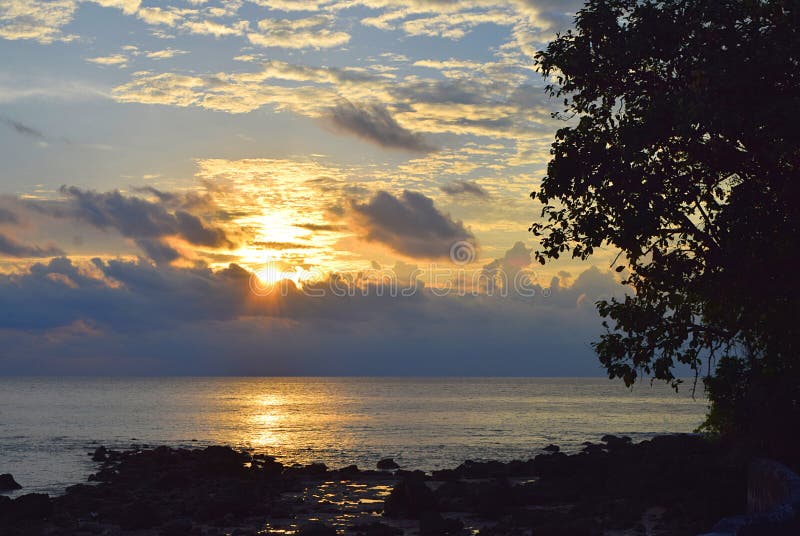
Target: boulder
[
  {"x": 409, "y": 498},
  {"x": 33, "y": 506},
  {"x": 100, "y": 454},
  {"x": 375, "y": 528},
  {"x": 614, "y": 442},
  {"x": 7, "y": 483},
  {"x": 316, "y": 528},
  {"x": 178, "y": 526},
  {"x": 387, "y": 464},
  {"x": 433, "y": 524}
]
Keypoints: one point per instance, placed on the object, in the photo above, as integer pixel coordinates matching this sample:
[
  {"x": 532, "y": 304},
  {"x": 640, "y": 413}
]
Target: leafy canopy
[{"x": 683, "y": 151}]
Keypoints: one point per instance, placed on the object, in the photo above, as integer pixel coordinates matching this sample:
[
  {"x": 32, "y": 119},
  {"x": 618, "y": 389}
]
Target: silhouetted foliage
[{"x": 683, "y": 151}]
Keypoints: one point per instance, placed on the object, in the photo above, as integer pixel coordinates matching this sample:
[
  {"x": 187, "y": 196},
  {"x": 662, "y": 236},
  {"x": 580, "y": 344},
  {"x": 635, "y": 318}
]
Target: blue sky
[{"x": 157, "y": 153}]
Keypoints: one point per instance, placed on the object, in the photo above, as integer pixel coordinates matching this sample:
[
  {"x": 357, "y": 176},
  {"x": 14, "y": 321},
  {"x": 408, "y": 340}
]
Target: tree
[{"x": 683, "y": 152}]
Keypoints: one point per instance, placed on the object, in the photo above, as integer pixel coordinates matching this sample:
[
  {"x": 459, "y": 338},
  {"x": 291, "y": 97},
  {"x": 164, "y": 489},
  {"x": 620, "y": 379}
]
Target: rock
[
  {"x": 350, "y": 470},
  {"x": 33, "y": 506},
  {"x": 552, "y": 448},
  {"x": 218, "y": 460},
  {"x": 387, "y": 464},
  {"x": 316, "y": 528},
  {"x": 409, "y": 498},
  {"x": 100, "y": 454},
  {"x": 489, "y": 469},
  {"x": 375, "y": 528},
  {"x": 493, "y": 498},
  {"x": 614, "y": 442},
  {"x": 177, "y": 527},
  {"x": 551, "y": 465},
  {"x": 433, "y": 524},
  {"x": 592, "y": 448},
  {"x": 138, "y": 515},
  {"x": 7, "y": 483}
]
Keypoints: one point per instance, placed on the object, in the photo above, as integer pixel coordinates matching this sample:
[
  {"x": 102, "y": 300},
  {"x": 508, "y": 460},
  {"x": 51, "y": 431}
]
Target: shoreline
[{"x": 671, "y": 484}]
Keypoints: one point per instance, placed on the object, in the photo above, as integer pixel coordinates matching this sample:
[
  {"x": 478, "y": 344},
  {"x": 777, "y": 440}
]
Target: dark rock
[
  {"x": 550, "y": 465},
  {"x": 570, "y": 527},
  {"x": 222, "y": 460},
  {"x": 310, "y": 470},
  {"x": 375, "y": 528},
  {"x": 33, "y": 506},
  {"x": 316, "y": 528},
  {"x": 490, "y": 469},
  {"x": 552, "y": 448},
  {"x": 409, "y": 498},
  {"x": 446, "y": 475},
  {"x": 416, "y": 473},
  {"x": 615, "y": 442},
  {"x": 100, "y": 454},
  {"x": 350, "y": 470},
  {"x": 433, "y": 524},
  {"x": 173, "y": 479},
  {"x": 387, "y": 464},
  {"x": 137, "y": 515},
  {"x": 518, "y": 468},
  {"x": 592, "y": 448},
  {"x": 177, "y": 527},
  {"x": 494, "y": 498},
  {"x": 7, "y": 483}
]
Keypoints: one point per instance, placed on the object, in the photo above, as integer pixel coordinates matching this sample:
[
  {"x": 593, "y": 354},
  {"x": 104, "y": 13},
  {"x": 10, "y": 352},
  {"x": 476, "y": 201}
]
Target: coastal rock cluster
[{"x": 667, "y": 485}]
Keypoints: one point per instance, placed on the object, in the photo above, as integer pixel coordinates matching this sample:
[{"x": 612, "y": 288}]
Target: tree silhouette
[{"x": 683, "y": 153}]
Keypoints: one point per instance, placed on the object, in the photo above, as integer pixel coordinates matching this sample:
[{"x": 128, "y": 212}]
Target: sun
[{"x": 270, "y": 274}]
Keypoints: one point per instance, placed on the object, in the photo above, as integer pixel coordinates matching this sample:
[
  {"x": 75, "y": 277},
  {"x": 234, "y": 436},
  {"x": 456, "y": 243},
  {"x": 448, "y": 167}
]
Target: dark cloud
[
  {"x": 461, "y": 187},
  {"x": 515, "y": 259},
  {"x": 137, "y": 218},
  {"x": 375, "y": 124},
  {"x": 7, "y": 216},
  {"x": 158, "y": 250},
  {"x": 323, "y": 227},
  {"x": 190, "y": 201},
  {"x": 22, "y": 129},
  {"x": 11, "y": 248},
  {"x": 136, "y": 317},
  {"x": 147, "y": 222},
  {"x": 508, "y": 271},
  {"x": 443, "y": 92},
  {"x": 410, "y": 224}
]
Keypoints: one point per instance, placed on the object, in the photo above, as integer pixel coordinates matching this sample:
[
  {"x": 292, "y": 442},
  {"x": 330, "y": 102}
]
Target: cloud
[
  {"x": 119, "y": 60},
  {"x": 509, "y": 269},
  {"x": 410, "y": 225},
  {"x": 374, "y": 123},
  {"x": 148, "y": 223},
  {"x": 165, "y": 54},
  {"x": 37, "y": 20},
  {"x": 309, "y": 32},
  {"x": 461, "y": 187},
  {"x": 216, "y": 29},
  {"x": 280, "y": 245},
  {"x": 11, "y": 248},
  {"x": 157, "y": 250},
  {"x": 22, "y": 129},
  {"x": 134, "y": 317},
  {"x": 169, "y": 16},
  {"x": 8, "y": 216},
  {"x": 319, "y": 227}
]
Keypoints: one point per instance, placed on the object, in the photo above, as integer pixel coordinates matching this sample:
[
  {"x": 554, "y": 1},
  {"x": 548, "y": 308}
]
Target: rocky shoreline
[{"x": 672, "y": 484}]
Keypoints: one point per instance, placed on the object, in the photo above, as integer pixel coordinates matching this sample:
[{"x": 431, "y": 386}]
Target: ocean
[{"x": 48, "y": 425}]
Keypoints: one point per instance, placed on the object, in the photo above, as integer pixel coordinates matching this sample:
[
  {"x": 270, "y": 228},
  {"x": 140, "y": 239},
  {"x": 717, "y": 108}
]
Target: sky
[{"x": 310, "y": 187}]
